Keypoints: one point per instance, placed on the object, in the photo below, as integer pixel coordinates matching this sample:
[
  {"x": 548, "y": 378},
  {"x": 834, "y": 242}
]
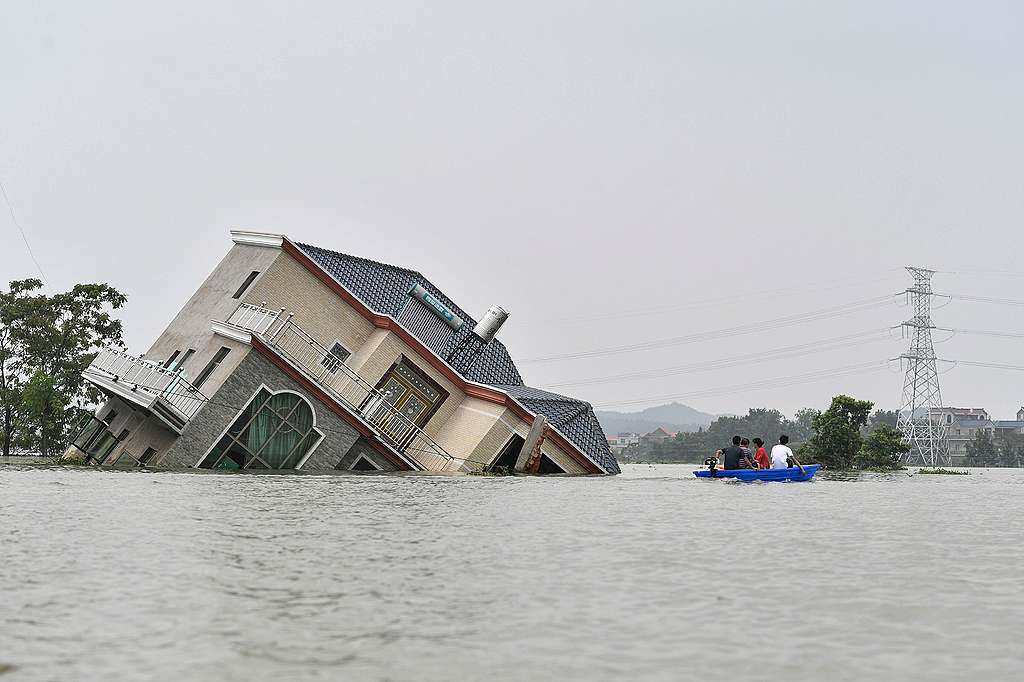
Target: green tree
[
  {"x": 801, "y": 428},
  {"x": 837, "y": 440},
  {"x": 882, "y": 418},
  {"x": 1010, "y": 447},
  {"x": 882, "y": 449},
  {"x": 51, "y": 340},
  {"x": 982, "y": 451}
]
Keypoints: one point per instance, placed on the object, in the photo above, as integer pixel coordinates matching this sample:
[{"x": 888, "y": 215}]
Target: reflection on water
[{"x": 649, "y": 575}]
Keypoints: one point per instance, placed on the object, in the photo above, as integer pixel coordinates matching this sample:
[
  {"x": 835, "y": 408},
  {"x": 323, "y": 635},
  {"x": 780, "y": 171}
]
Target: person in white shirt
[{"x": 781, "y": 454}]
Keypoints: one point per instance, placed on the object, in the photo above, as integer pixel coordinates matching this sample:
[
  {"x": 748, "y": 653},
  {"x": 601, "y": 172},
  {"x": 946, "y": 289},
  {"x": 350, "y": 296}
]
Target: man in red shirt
[{"x": 760, "y": 456}]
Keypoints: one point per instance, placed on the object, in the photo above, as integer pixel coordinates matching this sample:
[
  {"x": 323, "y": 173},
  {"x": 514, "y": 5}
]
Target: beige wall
[{"x": 317, "y": 309}]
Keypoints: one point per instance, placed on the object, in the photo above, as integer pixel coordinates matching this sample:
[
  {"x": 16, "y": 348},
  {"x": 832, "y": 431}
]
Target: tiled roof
[
  {"x": 385, "y": 289},
  {"x": 573, "y": 418}
]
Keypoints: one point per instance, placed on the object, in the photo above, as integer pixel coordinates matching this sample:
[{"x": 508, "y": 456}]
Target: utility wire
[
  {"x": 24, "y": 237},
  {"x": 749, "y": 328},
  {"x": 691, "y": 304},
  {"x": 778, "y": 382},
  {"x": 799, "y": 350}
]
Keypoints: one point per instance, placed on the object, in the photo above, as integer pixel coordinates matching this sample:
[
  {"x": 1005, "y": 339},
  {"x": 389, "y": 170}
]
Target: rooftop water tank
[{"x": 486, "y": 328}]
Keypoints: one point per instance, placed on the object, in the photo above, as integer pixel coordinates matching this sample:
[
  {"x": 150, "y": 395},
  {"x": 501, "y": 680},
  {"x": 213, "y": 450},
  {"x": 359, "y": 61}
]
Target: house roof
[
  {"x": 384, "y": 289},
  {"x": 573, "y": 418}
]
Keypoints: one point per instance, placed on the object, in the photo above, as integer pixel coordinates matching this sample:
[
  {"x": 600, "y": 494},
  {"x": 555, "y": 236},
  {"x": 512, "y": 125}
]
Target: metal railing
[
  {"x": 358, "y": 395},
  {"x": 254, "y": 318},
  {"x": 150, "y": 377}
]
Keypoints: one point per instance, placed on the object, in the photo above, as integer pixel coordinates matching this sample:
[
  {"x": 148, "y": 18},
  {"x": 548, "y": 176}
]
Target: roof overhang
[{"x": 251, "y": 238}]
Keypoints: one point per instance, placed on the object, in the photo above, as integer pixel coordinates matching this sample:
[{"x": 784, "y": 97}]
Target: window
[
  {"x": 111, "y": 416},
  {"x": 181, "y": 361},
  {"x": 211, "y": 365},
  {"x": 338, "y": 355},
  {"x": 245, "y": 285},
  {"x": 274, "y": 431},
  {"x": 411, "y": 392},
  {"x": 506, "y": 459},
  {"x": 147, "y": 456},
  {"x": 170, "y": 360},
  {"x": 107, "y": 445}
]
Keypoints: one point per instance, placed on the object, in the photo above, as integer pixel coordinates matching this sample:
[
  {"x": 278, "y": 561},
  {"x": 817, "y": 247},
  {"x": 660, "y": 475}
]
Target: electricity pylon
[{"x": 920, "y": 417}]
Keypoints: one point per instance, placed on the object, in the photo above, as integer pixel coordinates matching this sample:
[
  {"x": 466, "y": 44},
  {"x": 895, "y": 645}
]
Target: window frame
[
  {"x": 249, "y": 279},
  {"x": 211, "y": 366},
  {"x": 263, "y": 387},
  {"x": 330, "y": 365},
  {"x": 443, "y": 395}
]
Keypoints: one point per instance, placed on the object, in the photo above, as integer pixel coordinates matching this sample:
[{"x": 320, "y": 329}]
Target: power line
[
  {"x": 799, "y": 350},
  {"x": 696, "y": 304},
  {"x": 24, "y": 237},
  {"x": 750, "y": 328},
  {"x": 778, "y": 382},
  {"x": 981, "y": 299}
]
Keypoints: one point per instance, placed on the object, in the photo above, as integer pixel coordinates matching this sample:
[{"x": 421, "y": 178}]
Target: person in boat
[
  {"x": 748, "y": 454},
  {"x": 782, "y": 455},
  {"x": 733, "y": 456},
  {"x": 761, "y": 457}
]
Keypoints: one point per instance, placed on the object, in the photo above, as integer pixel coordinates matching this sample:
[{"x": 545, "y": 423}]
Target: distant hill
[{"x": 673, "y": 417}]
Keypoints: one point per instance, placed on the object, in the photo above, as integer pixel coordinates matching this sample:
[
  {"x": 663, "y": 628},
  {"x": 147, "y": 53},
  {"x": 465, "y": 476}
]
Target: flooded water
[{"x": 134, "y": 575}]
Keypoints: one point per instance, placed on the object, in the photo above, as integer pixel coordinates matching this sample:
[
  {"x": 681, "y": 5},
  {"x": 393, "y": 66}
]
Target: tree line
[
  {"x": 845, "y": 435},
  {"x": 46, "y": 342},
  {"x": 1001, "y": 450}
]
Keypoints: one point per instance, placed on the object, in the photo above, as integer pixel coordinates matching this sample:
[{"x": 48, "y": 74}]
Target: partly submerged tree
[
  {"x": 837, "y": 440},
  {"x": 982, "y": 451},
  {"x": 883, "y": 449},
  {"x": 49, "y": 341}
]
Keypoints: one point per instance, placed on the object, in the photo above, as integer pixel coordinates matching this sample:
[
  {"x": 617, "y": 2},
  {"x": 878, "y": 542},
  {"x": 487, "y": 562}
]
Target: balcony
[
  {"x": 344, "y": 385},
  {"x": 166, "y": 394}
]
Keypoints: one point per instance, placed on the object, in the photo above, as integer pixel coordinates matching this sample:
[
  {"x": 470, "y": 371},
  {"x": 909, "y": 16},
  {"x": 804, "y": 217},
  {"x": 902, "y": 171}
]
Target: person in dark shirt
[{"x": 733, "y": 456}]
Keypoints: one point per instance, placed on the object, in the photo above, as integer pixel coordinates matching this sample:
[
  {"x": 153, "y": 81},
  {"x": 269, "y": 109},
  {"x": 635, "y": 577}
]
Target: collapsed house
[{"x": 292, "y": 356}]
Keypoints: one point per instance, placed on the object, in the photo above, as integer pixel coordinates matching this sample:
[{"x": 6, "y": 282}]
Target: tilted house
[{"x": 291, "y": 356}]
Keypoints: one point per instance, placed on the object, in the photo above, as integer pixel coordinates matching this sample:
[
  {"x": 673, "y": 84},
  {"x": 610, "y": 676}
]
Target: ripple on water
[{"x": 649, "y": 575}]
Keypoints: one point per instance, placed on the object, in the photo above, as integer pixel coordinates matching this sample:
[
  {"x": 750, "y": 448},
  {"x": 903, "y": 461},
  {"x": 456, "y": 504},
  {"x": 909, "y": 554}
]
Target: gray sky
[{"x": 604, "y": 170}]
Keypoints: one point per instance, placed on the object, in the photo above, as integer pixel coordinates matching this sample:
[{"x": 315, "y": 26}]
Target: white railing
[
  {"x": 150, "y": 377},
  {"x": 253, "y": 318},
  {"x": 354, "y": 392}
]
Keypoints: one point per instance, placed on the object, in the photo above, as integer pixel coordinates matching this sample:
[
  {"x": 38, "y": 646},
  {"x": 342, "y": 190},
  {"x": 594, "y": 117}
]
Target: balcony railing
[
  {"x": 357, "y": 395},
  {"x": 150, "y": 378},
  {"x": 253, "y": 318}
]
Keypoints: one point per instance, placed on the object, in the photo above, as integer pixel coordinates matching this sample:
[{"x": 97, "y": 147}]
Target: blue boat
[{"x": 789, "y": 474}]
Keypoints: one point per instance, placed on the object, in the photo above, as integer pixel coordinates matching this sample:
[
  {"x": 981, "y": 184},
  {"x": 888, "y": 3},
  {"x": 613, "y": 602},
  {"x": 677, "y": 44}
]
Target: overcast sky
[{"x": 610, "y": 172}]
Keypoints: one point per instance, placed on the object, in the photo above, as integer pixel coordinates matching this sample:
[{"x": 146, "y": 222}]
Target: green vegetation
[
  {"x": 837, "y": 435},
  {"x": 695, "y": 446},
  {"x": 1003, "y": 450},
  {"x": 882, "y": 450},
  {"x": 46, "y": 341},
  {"x": 946, "y": 472}
]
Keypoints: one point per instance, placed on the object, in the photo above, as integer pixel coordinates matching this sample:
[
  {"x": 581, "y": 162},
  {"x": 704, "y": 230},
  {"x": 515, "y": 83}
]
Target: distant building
[
  {"x": 658, "y": 435},
  {"x": 964, "y": 424},
  {"x": 620, "y": 442}
]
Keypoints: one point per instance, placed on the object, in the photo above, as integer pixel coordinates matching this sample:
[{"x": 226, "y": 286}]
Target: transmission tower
[{"x": 920, "y": 417}]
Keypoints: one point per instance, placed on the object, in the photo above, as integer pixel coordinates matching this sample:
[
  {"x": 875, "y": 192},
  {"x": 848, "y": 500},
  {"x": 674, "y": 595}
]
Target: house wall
[
  {"x": 210, "y": 422},
  {"x": 319, "y": 311},
  {"x": 213, "y": 301},
  {"x": 144, "y": 431}
]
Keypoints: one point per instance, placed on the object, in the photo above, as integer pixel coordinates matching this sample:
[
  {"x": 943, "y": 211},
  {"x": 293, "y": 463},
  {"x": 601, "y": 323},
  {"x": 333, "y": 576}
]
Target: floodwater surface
[{"x": 138, "y": 575}]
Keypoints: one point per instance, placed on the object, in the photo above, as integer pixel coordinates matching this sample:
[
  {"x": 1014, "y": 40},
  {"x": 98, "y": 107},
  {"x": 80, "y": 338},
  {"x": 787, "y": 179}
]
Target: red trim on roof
[
  {"x": 330, "y": 403},
  {"x": 387, "y": 322}
]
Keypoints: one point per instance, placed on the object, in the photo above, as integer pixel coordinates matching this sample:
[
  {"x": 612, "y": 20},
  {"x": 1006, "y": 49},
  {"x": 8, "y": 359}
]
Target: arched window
[{"x": 274, "y": 431}]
